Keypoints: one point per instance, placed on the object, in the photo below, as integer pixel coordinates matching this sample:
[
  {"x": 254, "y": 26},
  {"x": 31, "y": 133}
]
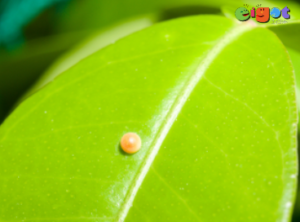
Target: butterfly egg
[{"x": 131, "y": 143}]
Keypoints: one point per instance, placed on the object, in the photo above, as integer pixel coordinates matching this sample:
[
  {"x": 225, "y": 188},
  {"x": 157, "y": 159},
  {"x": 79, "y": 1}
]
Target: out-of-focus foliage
[
  {"x": 295, "y": 57},
  {"x": 289, "y": 34},
  {"x": 22, "y": 67},
  {"x": 107, "y": 12},
  {"x": 16, "y": 14}
]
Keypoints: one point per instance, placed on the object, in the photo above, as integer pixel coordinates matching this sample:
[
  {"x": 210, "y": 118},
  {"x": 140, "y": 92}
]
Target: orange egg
[{"x": 131, "y": 143}]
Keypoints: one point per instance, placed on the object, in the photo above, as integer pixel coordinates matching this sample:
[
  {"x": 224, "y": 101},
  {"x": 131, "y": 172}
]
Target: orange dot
[{"x": 131, "y": 143}]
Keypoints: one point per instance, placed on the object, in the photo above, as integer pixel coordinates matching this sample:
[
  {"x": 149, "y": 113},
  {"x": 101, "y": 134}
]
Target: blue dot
[{"x": 275, "y": 12}]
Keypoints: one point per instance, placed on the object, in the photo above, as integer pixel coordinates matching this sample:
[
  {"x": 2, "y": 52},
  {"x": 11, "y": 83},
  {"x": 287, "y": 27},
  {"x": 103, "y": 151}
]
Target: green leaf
[
  {"x": 295, "y": 58},
  {"x": 288, "y": 34},
  {"x": 98, "y": 14},
  {"x": 214, "y": 105},
  {"x": 90, "y": 45}
]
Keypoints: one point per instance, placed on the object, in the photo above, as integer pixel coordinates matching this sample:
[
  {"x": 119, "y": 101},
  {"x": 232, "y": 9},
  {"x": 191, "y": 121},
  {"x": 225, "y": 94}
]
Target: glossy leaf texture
[
  {"x": 295, "y": 58},
  {"x": 200, "y": 92}
]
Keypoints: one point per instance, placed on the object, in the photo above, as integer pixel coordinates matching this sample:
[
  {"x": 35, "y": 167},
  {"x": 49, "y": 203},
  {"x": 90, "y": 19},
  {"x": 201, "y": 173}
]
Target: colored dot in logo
[
  {"x": 242, "y": 14},
  {"x": 275, "y": 12}
]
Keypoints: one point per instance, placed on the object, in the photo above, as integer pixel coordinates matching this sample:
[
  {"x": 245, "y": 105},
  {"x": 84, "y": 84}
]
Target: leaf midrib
[{"x": 174, "y": 111}]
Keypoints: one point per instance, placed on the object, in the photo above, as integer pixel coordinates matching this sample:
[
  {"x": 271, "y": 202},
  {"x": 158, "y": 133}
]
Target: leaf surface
[
  {"x": 200, "y": 91},
  {"x": 90, "y": 45},
  {"x": 295, "y": 58}
]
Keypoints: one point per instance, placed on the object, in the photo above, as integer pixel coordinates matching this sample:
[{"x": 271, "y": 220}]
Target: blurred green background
[{"x": 34, "y": 34}]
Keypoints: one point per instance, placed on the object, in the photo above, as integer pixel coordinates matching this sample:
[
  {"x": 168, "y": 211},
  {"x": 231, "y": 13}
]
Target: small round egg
[{"x": 131, "y": 143}]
